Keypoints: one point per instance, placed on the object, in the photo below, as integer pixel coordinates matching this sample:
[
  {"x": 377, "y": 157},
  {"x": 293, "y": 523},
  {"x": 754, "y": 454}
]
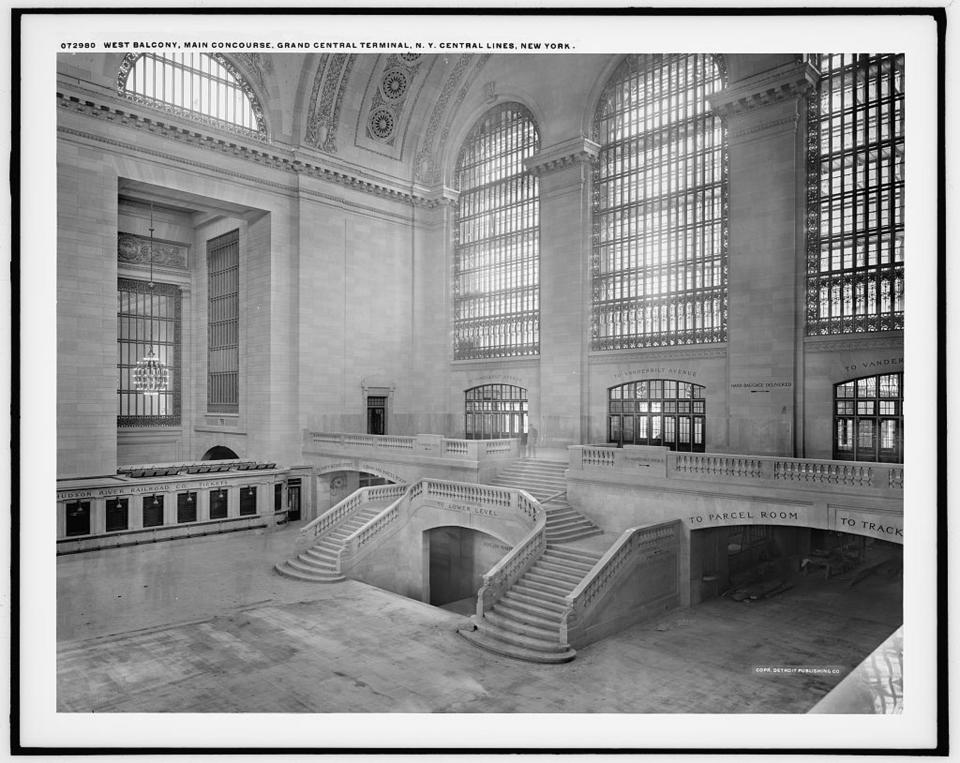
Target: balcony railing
[
  {"x": 433, "y": 445},
  {"x": 640, "y": 461}
]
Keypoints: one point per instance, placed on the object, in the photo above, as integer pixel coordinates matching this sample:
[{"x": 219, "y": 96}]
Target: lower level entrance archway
[
  {"x": 218, "y": 453},
  {"x": 456, "y": 560}
]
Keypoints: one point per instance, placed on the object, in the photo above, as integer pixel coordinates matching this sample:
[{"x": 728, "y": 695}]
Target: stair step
[
  {"x": 504, "y": 621},
  {"x": 320, "y": 555},
  {"x": 527, "y": 614},
  {"x": 561, "y": 578},
  {"x": 535, "y": 591},
  {"x": 573, "y": 570},
  {"x": 574, "y": 554},
  {"x": 549, "y": 583},
  {"x": 302, "y": 566},
  {"x": 289, "y": 572},
  {"x": 567, "y": 536},
  {"x": 482, "y": 640},
  {"x": 533, "y": 602},
  {"x": 517, "y": 639}
]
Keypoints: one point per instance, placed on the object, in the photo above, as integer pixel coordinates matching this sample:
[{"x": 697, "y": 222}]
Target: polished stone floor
[{"x": 207, "y": 626}]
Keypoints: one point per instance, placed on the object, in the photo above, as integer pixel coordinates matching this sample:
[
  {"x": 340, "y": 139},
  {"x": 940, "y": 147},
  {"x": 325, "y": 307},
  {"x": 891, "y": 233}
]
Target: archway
[
  {"x": 456, "y": 560},
  {"x": 218, "y": 453}
]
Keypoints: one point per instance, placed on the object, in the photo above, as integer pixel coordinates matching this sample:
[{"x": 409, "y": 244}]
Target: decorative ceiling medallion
[
  {"x": 394, "y": 84},
  {"x": 382, "y": 123},
  {"x": 410, "y": 57}
]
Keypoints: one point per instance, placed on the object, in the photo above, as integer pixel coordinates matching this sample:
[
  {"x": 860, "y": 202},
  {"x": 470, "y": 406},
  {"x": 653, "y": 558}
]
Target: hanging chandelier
[{"x": 150, "y": 375}]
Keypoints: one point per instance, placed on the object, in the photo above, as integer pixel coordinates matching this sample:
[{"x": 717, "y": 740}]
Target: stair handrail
[
  {"x": 341, "y": 510},
  {"x": 604, "y": 574},
  {"x": 511, "y": 567}
]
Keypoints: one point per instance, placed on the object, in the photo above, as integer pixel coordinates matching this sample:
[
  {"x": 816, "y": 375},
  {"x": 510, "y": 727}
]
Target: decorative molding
[
  {"x": 643, "y": 354},
  {"x": 847, "y": 343},
  {"x": 395, "y": 81},
  {"x": 130, "y": 59},
  {"x": 220, "y": 145},
  {"x": 427, "y": 162},
  {"x": 782, "y": 83},
  {"x": 579, "y": 150},
  {"x": 329, "y": 86},
  {"x": 135, "y": 249}
]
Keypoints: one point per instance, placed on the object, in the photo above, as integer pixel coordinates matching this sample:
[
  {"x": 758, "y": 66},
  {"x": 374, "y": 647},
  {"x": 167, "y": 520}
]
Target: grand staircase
[
  {"x": 543, "y": 479},
  {"x": 318, "y": 564},
  {"x": 525, "y": 622}
]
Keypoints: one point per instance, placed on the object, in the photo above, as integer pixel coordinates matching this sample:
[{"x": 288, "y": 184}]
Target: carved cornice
[
  {"x": 782, "y": 83},
  {"x": 854, "y": 342},
  {"x": 257, "y": 156},
  {"x": 567, "y": 153},
  {"x": 620, "y": 357}
]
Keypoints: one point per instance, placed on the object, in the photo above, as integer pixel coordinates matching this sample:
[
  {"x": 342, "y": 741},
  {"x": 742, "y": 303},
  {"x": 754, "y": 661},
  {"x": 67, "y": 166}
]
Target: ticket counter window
[
  {"x": 248, "y": 501},
  {"x": 218, "y": 504},
  {"x": 186, "y": 507},
  {"x": 78, "y": 518},
  {"x": 117, "y": 514},
  {"x": 152, "y": 510}
]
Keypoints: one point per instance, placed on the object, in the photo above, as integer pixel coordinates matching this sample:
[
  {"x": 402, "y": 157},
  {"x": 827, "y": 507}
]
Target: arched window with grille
[
  {"x": 868, "y": 419},
  {"x": 197, "y": 86},
  {"x": 495, "y": 411},
  {"x": 660, "y": 205},
  {"x": 855, "y": 195},
  {"x": 657, "y": 412},
  {"x": 496, "y": 282}
]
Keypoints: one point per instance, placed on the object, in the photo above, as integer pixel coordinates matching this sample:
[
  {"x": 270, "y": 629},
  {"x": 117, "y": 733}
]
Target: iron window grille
[
  {"x": 148, "y": 316},
  {"x": 659, "y": 264},
  {"x": 855, "y": 161},
  {"x": 223, "y": 323},
  {"x": 496, "y": 284},
  {"x": 201, "y": 87}
]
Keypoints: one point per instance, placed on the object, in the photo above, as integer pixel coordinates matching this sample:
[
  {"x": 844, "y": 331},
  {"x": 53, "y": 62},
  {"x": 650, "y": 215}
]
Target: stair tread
[
  {"x": 479, "y": 639},
  {"x": 526, "y": 642},
  {"x": 533, "y": 601},
  {"x": 506, "y": 622}
]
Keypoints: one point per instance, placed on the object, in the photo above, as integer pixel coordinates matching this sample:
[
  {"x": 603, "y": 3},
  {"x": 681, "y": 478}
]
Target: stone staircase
[
  {"x": 525, "y": 622},
  {"x": 542, "y": 479},
  {"x": 318, "y": 564}
]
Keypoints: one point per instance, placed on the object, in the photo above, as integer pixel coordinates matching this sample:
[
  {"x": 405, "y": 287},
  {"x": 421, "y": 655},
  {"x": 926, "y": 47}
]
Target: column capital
[
  {"x": 566, "y": 153},
  {"x": 782, "y": 83}
]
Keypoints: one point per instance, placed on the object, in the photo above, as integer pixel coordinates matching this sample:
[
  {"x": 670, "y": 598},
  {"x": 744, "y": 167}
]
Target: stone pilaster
[
  {"x": 565, "y": 181},
  {"x": 763, "y": 117}
]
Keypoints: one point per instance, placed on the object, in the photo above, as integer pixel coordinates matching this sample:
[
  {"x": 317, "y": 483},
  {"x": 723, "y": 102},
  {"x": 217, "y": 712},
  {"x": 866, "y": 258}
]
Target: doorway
[
  {"x": 376, "y": 415},
  {"x": 458, "y": 557},
  {"x": 293, "y": 500}
]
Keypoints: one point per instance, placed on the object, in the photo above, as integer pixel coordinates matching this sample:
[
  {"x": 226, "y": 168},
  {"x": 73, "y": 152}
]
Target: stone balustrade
[
  {"x": 661, "y": 463},
  {"x": 429, "y": 444},
  {"x": 635, "y": 547},
  {"x": 176, "y": 501}
]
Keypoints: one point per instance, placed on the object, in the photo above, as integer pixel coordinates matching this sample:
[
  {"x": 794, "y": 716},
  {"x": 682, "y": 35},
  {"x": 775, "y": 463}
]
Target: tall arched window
[
  {"x": 660, "y": 205},
  {"x": 496, "y": 283},
  {"x": 855, "y": 195},
  {"x": 193, "y": 85}
]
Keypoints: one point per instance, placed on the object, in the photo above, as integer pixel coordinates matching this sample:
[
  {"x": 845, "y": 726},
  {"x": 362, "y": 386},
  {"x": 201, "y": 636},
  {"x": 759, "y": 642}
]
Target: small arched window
[
  {"x": 660, "y": 205},
  {"x": 658, "y": 412},
  {"x": 868, "y": 419},
  {"x": 197, "y": 86},
  {"x": 496, "y": 281}
]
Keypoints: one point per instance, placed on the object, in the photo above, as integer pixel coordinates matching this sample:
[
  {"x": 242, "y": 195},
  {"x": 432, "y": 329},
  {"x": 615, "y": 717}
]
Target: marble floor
[{"x": 206, "y": 625}]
